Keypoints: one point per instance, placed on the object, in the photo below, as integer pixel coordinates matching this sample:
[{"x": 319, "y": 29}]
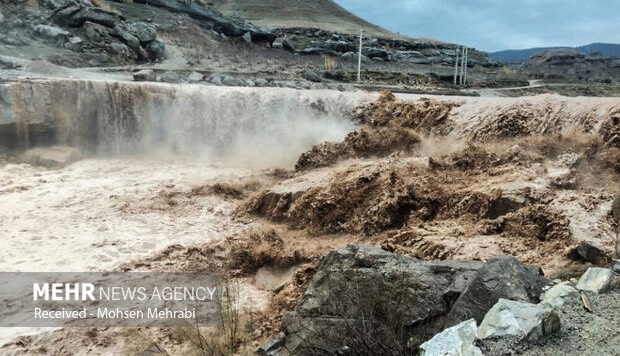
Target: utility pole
[
  {"x": 465, "y": 69},
  {"x": 456, "y": 64},
  {"x": 359, "y": 59},
  {"x": 462, "y": 65}
]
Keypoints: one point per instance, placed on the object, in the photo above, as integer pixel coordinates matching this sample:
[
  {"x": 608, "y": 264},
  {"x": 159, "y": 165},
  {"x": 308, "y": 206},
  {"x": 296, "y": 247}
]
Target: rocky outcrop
[
  {"x": 569, "y": 64},
  {"x": 109, "y": 30},
  {"x": 308, "y": 41},
  {"x": 216, "y": 20},
  {"x": 95, "y": 35},
  {"x": 361, "y": 293}
]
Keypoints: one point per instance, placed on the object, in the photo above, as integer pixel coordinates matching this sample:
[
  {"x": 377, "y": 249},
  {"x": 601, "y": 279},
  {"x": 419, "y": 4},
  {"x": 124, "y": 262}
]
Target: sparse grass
[
  {"x": 229, "y": 337},
  {"x": 572, "y": 271}
]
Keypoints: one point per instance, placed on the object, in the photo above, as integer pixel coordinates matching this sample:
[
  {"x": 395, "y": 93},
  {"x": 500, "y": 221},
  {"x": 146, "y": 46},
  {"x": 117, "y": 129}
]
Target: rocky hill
[
  {"x": 195, "y": 35},
  {"x": 323, "y": 14},
  {"x": 520, "y": 55},
  {"x": 572, "y": 65}
]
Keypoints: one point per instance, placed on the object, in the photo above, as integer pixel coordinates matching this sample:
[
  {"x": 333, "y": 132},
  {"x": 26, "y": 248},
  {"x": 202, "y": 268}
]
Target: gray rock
[
  {"x": 588, "y": 252},
  {"x": 76, "y": 15},
  {"x": 52, "y": 33},
  {"x": 215, "y": 78},
  {"x": 596, "y": 280},
  {"x": 560, "y": 294},
  {"x": 194, "y": 77},
  {"x": 455, "y": 341},
  {"x": 118, "y": 48},
  {"x": 378, "y": 53},
  {"x": 270, "y": 347},
  {"x": 143, "y": 31},
  {"x": 169, "y": 77},
  {"x": 93, "y": 32},
  {"x": 126, "y": 37},
  {"x": 311, "y": 76},
  {"x": 260, "y": 82},
  {"x": 156, "y": 50},
  {"x": 519, "y": 319},
  {"x": 615, "y": 266},
  {"x": 398, "y": 295},
  {"x": 144, "y": 75},
  {"x": 247, "y": 37},
  {"x": 1, "y": 17},
  {"x": 501, "y": 277}
]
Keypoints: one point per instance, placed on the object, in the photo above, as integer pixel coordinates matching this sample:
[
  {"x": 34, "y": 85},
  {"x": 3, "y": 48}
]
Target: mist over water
[{"x": 225, "y": 126}]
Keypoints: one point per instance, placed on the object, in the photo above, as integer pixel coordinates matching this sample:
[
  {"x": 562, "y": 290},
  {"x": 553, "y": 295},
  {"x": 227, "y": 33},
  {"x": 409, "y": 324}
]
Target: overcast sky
[{"x": 493, "y": 25}]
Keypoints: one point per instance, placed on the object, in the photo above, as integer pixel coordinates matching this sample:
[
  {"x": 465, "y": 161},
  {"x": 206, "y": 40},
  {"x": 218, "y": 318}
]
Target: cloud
[{"x": 497, "y": 24}]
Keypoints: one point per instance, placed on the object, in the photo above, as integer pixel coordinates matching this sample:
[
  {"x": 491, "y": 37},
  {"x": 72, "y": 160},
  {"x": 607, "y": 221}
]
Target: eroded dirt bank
[{"x": 448, "y": 178}]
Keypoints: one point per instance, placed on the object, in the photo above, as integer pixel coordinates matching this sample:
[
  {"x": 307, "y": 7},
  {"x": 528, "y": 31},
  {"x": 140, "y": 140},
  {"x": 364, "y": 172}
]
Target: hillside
[
  {"x": 571, "y": 65},
  {"x": 323, "y": 14},
  {"x": 519, "y": 55}
]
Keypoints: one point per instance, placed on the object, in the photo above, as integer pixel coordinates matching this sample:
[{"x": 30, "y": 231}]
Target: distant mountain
[{"x": 520, "y": 55}]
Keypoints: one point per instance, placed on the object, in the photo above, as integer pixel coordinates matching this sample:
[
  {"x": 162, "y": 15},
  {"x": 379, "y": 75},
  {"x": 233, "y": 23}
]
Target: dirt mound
[{"x": 390, "y": 125}]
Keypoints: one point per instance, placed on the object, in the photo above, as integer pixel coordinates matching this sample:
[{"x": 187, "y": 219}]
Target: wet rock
[
  {"x": 560, "y": 294},
  {"x": 270, "y": 347},
  {"x": 144, "y": 75},
  {"x": 519, "y": 319},
  {"x": 596, "y": 280},
  {"x": 194, "y": 77},
  {"x": 367, "y": 283},
  {"x": 501, "y": 277},
  {"x": 587, "y": 252},
  {"x": 52, "y": 33},
  {"x": 455, "y": 341},
  {"x": 168, "y": 77},
  {"x": 311, "y": 76}
]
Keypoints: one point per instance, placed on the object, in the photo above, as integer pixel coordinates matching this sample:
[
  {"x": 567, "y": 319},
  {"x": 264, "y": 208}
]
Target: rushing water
[{"x": 260, "y": 127}]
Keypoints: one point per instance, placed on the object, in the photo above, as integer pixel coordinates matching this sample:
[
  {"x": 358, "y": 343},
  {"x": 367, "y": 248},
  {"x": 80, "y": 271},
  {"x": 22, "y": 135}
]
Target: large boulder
[
  {"x": 501, "y": 277},
  {"x": 362, "y": 293},
  {"x": 520, "y": 320}
]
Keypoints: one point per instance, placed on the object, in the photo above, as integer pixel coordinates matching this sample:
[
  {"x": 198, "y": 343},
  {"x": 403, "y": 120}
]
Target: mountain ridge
[{"x": 518, "y": 55}]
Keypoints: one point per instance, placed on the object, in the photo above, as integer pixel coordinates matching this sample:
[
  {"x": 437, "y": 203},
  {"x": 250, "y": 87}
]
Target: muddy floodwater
[{"x": 96, "y": 213}]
